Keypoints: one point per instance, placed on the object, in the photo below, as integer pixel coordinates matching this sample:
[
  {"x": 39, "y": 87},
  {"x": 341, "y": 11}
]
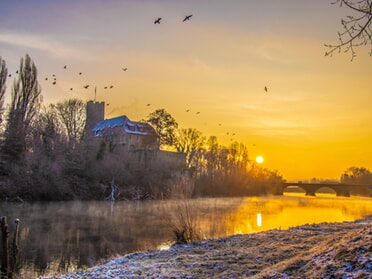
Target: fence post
[
  {"x": 5, "y": 256},
  {"x": 15, "y": 250}
]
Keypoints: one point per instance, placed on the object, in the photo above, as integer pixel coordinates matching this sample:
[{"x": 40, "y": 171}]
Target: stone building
[
  {"x": 139, "y": 139},
  {"x": 121, "y": 131}
]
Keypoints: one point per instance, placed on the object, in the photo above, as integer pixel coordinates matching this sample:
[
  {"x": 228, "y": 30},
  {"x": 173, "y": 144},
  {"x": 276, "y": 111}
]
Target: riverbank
[{"x": 327, "y": 250}]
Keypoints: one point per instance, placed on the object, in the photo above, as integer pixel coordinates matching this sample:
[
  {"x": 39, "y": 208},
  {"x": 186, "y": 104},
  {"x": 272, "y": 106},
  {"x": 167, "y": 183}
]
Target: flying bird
[
  {"x": 86, "y": 86},
  {"x": 187, "y": 18},
  {"x": 187, "y": 110},
  {"x": 17, "y": 72},
  {"x": 265, "y": 89},
  {"x": 198, "y": 112},
  {"x": 71, "y": 89},
  {"x": 65, "y": 67},
  {"x": 158, "y": 20},
  {"x": 125, "y": 69},
  {"x": 111, "y": 86},
  {"x": 105, "y": 87},
  {"x": 148, "y": 105},
  {"x": 54, "y": 82},
  {"x": 46, "y": 78},
  {"x": 80, "y": 73},
  {"x": 9, "y": 75}
]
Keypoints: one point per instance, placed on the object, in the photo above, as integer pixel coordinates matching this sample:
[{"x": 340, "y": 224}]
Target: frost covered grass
[
  {"x": 327, "y": 250},
  {"x": 183, "y": 219}
]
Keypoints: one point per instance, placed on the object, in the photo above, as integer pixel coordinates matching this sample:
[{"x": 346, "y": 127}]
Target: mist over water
[{"x": 58, "y": 237}]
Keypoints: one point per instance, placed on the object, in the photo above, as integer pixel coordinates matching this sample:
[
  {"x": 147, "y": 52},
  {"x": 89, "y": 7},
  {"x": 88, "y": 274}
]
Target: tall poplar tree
[
  {"x": 25, "y": 103},
  {"x": 3, "y": 76}
]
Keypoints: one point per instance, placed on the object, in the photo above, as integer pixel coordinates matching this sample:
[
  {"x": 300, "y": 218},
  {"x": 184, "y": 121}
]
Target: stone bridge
[{"x": 341, "y": 189}]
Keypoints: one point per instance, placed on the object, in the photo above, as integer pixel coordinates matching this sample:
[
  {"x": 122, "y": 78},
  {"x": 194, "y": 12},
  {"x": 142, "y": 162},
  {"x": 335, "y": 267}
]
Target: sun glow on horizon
[{"x": 259, "y": 159}]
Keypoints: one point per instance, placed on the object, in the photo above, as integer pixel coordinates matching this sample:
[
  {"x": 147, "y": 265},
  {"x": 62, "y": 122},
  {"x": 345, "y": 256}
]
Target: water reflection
[{"x": 63, "y": 236}]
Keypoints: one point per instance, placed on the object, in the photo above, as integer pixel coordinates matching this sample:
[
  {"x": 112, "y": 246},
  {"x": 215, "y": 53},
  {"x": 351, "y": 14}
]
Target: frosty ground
[{"x": 327, "y": 250}]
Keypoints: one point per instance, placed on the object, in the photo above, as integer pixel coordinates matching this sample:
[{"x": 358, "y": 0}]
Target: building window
[
  {"x": 137, "y": 138},
  {"x": 129, "y": 137},
  {"x": 131, "y": 127}
]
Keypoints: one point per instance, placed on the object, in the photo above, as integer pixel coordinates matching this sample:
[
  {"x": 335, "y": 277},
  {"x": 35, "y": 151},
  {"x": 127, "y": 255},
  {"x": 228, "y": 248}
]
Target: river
[{"x": 58, "y": 237}]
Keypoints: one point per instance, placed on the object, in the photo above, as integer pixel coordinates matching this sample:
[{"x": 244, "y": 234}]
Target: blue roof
[
  {"x": 105, "y": 127},
  {"x": 109, "y": 123}
]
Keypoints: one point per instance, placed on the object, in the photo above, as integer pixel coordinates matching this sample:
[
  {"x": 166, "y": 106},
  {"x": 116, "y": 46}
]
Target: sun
[{"x": 259, "y": 159}]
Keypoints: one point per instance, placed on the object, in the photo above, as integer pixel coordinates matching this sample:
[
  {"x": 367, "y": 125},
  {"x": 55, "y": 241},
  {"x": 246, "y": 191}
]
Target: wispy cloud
[
  {"x": 26, "y": 40},
  {"x": 279, "y": 127}
]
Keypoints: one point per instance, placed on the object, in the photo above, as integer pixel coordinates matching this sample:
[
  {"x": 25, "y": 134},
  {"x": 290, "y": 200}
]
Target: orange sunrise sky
[{"x": 315, "y": 120}]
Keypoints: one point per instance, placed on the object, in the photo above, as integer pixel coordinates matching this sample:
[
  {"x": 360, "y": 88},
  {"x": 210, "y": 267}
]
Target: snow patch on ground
[{"x": 327, "y": 250}]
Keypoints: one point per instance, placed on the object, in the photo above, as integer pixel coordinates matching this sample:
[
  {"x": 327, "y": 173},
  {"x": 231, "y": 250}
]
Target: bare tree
[
  {"x": 357, "y": 30},
  {"x": 72, "y": 114},
  {"x": 188, "y": 142},
  {"x": 165, "y": 126},
  {"x": 3, "y": 76},
  {"x": 48, "y": 132},
  {"x": 25, "y": 103}
]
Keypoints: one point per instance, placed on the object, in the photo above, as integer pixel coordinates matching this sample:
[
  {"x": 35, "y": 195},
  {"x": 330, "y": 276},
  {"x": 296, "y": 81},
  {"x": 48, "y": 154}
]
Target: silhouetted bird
[
  {"x": 148, "y": 105},
  {"x": 9, "y": 75},
  {"x": 187, "y": 110},
  {"x": 265, "y": 89},
  {"x": 46, "y": 78},
  {"x": 105, "y": 87},
  {"x": 17, "y": 72},
  {"x": 198, "y": 112},
  {"x": 80, "y": 73},
  {"x": 71, "y": 89},
  {"x": 86, "y": 86},
  {"x": 158, "y": 20},
  {"x": 187, "y": 18},
  {"x": 54, "y": 82},
  {"x": 65, "y": 67},
  {"x": 124, "y": 69},
  {"x": 111, "y": 86}
]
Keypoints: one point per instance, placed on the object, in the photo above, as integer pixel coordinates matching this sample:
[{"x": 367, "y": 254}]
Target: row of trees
[{"x": 35, "y": 137}]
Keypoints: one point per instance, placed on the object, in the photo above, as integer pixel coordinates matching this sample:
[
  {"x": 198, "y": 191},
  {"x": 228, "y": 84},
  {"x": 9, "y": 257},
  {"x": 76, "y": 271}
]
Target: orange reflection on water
[{"x": 254, "y": 214}]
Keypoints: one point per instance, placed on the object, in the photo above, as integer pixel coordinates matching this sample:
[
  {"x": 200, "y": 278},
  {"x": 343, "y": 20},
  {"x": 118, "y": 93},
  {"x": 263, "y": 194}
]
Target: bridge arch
[
  {"x": 326, "y": 190},
  {"x": 310, "y": 189},
  {"x": 293, "y": 189}
]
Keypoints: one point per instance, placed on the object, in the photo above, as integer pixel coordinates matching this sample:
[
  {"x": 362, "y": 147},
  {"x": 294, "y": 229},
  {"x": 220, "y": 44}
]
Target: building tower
[{"x": 95, "y": 113}]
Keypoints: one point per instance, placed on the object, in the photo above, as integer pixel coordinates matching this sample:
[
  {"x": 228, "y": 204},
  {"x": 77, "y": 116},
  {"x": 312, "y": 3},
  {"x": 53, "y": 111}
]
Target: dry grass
[{"x": 182, "y": 216}]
